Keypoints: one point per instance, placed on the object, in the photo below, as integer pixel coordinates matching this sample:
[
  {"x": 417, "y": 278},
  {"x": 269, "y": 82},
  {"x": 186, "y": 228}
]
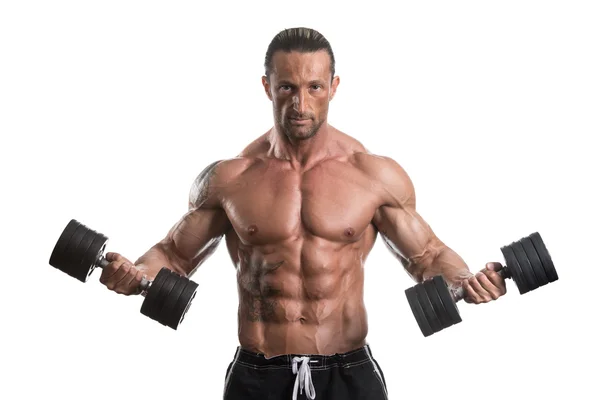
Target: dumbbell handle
[
  {"x": 144, "y": 284},
  {"x": 459, "y": 293}
]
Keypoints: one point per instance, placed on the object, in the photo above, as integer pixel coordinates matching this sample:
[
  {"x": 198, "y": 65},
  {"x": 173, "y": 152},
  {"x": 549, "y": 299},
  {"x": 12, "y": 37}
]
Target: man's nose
[{"x": 299, "y": 103}]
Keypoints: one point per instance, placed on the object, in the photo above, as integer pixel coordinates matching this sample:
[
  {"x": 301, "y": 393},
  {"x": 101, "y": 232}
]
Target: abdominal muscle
[
  {"x": 337, "y": 335},
  {"x": 294, "y": 303}
]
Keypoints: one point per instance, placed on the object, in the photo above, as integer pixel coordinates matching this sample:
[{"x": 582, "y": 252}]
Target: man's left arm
[{"x": 412, "y": 241}]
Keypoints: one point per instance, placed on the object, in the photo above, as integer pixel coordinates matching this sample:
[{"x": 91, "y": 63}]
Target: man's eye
[
  {"x": 316, "y": 87},
  {"x": 285, "y": 87}
]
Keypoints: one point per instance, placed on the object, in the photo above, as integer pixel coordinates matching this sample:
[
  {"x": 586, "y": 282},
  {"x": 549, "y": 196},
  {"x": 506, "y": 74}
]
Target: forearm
[
  {"x": 445, "y": 262},
  {"x": 158, "y": 256}
]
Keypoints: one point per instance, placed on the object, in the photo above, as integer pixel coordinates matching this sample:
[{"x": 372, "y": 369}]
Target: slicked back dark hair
[{"x": 304, "y": 40}]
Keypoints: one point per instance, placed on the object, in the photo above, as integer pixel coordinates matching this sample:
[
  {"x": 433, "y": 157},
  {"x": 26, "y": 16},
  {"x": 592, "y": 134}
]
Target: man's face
[{"x": 300, "y": 88}]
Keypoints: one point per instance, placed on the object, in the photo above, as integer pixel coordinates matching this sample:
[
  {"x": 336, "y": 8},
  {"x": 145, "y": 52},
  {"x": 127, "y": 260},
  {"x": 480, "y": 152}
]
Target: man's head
[{"x": 300, "y": 81}]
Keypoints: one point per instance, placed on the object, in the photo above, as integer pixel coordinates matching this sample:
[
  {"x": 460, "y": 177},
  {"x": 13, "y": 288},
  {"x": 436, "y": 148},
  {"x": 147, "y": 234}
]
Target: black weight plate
[
  {"x": 525, "y": 265},
  {"x": 163, "y": 295},
  {"x": 447, "y": 300},
  {"x": 170, "y": 302},
  {"x": 417, "y": 311},
  {"x": 79, "y": 267},
  {"x": 427, "y": 307},
  {"x": 57, "y": 258},
  {"x": 183, "y": 304},
  {"x": 149, "y": 308},
  {"x": 514, "y": 268},
  {"x": 437, "y": 304},
  {"x": 542, "y": 251},
  {"x": 87, "y": 253},
  {"x": 94, "y": 253},
  {"x": 534, "y": 259},
  {"x": 69, "y": 255},
  {"x": 187, "y": 307}
]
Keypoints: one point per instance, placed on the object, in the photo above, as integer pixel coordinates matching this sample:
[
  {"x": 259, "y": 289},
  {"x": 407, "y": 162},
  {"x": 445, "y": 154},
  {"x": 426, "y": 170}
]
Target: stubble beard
[{"x": 298, "y": 132}]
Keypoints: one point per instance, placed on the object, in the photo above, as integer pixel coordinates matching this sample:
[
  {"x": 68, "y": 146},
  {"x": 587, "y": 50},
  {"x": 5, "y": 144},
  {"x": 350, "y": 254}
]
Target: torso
[{"x": 299, "y": 241}]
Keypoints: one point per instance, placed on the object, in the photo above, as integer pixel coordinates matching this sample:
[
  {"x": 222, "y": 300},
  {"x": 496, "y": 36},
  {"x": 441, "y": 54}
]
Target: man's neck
[{"x": 301, "y": 153}]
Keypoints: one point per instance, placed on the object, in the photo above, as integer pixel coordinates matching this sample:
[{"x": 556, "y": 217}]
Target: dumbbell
[
  {"x": 528, "y": 264},
  {"x": 80, "y": 250}
]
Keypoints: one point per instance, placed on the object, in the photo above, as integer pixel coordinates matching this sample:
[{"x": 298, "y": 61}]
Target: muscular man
[{"x": 300, "y": 209}]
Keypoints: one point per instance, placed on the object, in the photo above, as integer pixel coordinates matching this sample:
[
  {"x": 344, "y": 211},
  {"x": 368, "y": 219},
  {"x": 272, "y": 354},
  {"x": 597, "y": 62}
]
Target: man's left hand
[{"x": 484, "y": 286}]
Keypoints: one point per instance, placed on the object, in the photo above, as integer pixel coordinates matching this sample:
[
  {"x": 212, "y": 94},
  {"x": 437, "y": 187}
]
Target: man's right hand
[{"x": 121, "y": 275}]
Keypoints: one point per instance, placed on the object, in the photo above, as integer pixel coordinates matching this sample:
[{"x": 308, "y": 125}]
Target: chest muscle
[{"x": 285, "y": 205}]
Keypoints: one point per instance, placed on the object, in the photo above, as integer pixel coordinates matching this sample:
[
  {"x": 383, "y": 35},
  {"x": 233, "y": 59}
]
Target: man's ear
[
  {"x": 334, "y": 84},
  {"x": 267, "y": 86}
]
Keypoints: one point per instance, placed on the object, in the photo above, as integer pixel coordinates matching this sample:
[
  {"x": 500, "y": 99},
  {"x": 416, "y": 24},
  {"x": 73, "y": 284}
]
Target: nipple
[
  {"x": 252, "y": 229},
  {"x": 349, "y": 232}
]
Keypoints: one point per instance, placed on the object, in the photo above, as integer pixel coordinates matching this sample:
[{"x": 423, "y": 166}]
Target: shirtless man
[{"x": 300, "y": 209}]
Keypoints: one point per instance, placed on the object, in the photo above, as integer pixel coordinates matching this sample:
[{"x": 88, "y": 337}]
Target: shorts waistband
[{"x": 352, "y": 357}]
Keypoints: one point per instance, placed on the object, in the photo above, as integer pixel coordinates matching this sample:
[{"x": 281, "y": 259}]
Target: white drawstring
[{"x": 303, "y": 378}]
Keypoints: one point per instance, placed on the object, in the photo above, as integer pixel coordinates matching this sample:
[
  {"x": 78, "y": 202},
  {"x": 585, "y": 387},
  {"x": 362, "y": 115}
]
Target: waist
[{"x": 317, "y": 361}]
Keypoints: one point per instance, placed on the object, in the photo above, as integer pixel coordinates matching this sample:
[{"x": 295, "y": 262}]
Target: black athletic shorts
[{"x": 349, "y": 376}]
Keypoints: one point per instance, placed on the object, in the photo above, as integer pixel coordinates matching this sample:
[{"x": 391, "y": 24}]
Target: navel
[
  {"x": 349, "y": 232},
  {"x": 252, "y": 229}
]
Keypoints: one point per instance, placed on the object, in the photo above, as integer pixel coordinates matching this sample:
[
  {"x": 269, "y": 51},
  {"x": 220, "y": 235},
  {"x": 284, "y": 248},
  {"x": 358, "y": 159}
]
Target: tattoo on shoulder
[{"x": 201, "y": 187}]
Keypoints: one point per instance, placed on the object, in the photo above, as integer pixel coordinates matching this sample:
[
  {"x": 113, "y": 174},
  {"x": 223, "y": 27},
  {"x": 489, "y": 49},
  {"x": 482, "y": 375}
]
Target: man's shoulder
[
  {"x": 380, "y": 169},
  {"x": 223, "y": 173},
  {"x": 376, "y": 165},
  {"x": 217, "y": 175},
  {"x": 226, "y": 170},
  {"x": 386, "y": 174},
  {"x": 257, "y": 148}
]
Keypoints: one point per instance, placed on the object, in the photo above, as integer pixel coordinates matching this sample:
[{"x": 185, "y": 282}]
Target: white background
[{"x": 109, "y": 110}]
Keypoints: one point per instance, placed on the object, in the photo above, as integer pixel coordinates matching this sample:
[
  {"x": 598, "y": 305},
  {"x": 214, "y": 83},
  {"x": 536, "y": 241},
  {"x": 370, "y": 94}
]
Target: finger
[
  {"x": 123, "y": 273},
  {"x": 114, "y": 263},
  {"x": 111, "y": 256},
  {"x": 121, "y": 286},
  {"x": 133, "y": 286},
  {"x": 491, "y": 271},
  {"x": 493, "y": 266},
  {"x": 493, "y": 291},
  {"x": 496, "y": 280},
  {"x": 123, "y": 269},
  {"x": 110, "y": 270},
  {"x": 130, "y": 272},
  {"x": 471, "y": 295},
  {"x": 483, "y": 294}
]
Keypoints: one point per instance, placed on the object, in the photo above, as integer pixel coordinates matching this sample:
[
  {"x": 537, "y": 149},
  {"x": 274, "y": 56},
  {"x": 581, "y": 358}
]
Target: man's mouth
[{"x": 299, "y": 121}]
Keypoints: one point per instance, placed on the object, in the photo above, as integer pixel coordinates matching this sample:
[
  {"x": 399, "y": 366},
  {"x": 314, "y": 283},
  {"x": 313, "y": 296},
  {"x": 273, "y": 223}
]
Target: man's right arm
[{"x": 187, "y": 244}]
